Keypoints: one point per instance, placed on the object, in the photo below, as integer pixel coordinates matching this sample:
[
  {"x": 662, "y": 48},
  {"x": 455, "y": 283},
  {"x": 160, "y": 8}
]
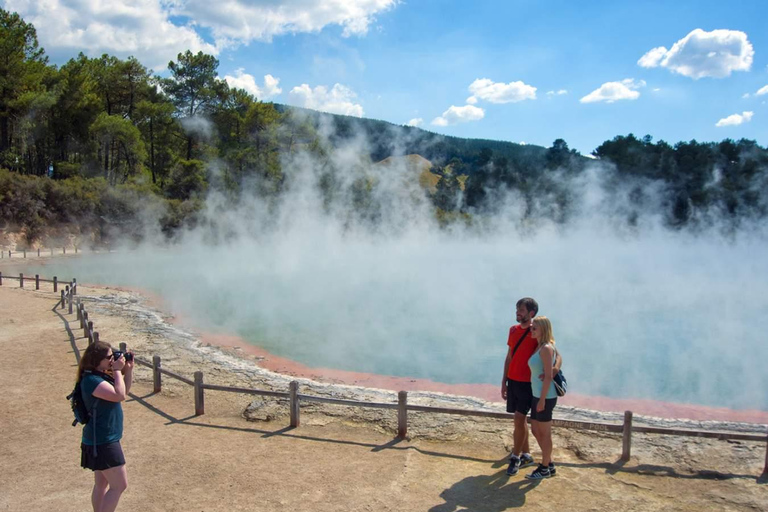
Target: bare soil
[{"x": 339, "y": 459}]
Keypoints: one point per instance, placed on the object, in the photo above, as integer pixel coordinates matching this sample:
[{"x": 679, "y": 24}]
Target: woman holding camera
[{"x": 104, "y": 382}]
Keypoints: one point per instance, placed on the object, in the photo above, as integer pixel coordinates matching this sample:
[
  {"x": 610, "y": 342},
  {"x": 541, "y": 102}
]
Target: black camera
[{"x": 117, "y": 353}]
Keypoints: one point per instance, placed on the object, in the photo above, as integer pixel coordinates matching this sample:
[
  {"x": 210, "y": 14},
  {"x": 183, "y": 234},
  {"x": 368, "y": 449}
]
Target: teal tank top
[{"x": 537, "y": 368}]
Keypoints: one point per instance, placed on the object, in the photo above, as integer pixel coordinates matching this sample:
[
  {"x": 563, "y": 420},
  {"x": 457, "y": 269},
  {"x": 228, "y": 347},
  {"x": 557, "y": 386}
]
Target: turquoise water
[{"x": 652, "y": 319}]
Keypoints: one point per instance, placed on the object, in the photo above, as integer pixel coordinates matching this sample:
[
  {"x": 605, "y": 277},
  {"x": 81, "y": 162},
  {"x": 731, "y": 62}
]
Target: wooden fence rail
[
  {"x": 626, "y": 428},
  {"x": 23, "y": 252},
  {"x": 402, "y": 406}
]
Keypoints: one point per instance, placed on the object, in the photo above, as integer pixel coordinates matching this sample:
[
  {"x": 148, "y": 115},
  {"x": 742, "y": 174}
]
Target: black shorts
[
  {"x": 107, "y": 456},
  {"x": 519, "y": 396},
  {"x": 546, "y": 414}
]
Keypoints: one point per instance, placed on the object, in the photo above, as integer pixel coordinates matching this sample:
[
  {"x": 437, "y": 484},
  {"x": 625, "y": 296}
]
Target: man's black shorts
[{"x": 519, "y": 396}]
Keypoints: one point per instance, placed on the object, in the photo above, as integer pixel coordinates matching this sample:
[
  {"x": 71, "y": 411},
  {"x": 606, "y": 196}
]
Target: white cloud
[
  {"x": 735, "y": 119},
  {"x": 761, "y": 91},
  {"x": 417, "y": 121},
  {"x": 339, "y": 100},
  {"x": 243, "y": 80},
  {"x": 497, "y": 92},
  {"x": 745, "y": 96},
  {"x": 652, "y": 58},
  {"x": 149, "y": 30},
  {"x": 701, "y": 54},
  {"x": 561, "y": 92},
  {"x": 615, "y": 91},
  {"x": 241, "y": 21},
  {"x": 141, "y": 28},
  {"x": 455, "y": 115}
]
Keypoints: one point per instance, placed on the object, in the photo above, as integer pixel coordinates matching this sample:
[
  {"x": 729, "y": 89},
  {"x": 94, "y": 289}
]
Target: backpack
[
  {"x": 82, "y": 415},
  {"x": 81, "y": 412}
]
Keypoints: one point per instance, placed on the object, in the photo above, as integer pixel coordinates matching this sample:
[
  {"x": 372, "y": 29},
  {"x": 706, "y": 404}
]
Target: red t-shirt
[{"x": 518, "y": 368}]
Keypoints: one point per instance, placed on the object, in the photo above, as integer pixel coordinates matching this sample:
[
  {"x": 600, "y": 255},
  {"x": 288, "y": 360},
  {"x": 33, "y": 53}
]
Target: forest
[{"x": 105, "y": 147}]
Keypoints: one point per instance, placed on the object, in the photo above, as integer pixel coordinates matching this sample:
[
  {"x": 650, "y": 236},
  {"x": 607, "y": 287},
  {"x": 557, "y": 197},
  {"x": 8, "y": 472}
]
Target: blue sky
[{"x": 522, "y": 71}]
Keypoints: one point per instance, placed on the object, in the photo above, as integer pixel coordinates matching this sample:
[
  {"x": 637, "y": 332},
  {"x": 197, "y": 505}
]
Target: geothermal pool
[{"x": 665, "y": 317}]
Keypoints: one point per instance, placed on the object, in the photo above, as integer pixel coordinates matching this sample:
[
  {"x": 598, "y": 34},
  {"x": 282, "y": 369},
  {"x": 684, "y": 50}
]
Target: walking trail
[{"x": 339, "y": 459}]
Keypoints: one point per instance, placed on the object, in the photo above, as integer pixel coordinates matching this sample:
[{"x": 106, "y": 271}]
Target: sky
[{"x": 524, "y": 71}]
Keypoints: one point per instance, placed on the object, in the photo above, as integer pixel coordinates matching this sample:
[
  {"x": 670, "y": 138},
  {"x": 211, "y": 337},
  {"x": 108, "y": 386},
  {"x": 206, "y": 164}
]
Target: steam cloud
[{"x": 644, "y": 312}]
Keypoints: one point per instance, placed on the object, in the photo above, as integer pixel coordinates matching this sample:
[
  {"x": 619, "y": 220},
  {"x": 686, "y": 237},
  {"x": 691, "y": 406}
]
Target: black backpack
[{"x": 81, "y": 412}]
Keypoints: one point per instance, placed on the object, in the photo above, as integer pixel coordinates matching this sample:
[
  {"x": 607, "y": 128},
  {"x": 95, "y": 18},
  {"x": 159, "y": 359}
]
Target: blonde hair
[{"x": 544, "y": 326}]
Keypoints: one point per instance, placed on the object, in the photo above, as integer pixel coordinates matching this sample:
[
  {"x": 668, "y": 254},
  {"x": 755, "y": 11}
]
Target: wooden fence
[
  {"x": 39, "y": 251},
  {"x": 401, "y": 406}
]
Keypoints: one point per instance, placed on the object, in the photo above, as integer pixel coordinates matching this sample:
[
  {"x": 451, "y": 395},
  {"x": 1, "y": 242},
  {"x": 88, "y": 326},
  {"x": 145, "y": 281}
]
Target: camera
[{"x": 117, "y": 353}]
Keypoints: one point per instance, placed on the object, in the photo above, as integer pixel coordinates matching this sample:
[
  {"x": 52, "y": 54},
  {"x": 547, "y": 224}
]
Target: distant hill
[
  {"x": 415, "y": 165},
  {"x": 388, "y": 139}
]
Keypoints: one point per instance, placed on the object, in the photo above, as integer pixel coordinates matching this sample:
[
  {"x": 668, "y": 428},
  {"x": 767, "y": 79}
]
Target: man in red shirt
[{"x": 516, "y": 381}]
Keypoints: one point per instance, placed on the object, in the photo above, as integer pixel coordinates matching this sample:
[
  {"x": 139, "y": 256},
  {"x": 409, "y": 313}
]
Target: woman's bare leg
[
  {"x": 99, "y": 490},
  {"x": 545, "y": 441},
  {"x": 118, "y": 482}
]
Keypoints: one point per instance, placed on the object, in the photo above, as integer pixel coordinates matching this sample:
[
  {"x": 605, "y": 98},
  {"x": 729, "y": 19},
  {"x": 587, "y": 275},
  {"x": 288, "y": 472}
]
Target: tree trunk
[
  {"x": 152, "y": 150},
  {"x": 4, "y": 134}
]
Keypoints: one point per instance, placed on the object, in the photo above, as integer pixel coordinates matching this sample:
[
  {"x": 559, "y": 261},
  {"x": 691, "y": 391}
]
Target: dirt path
[{"x": 221, "y": 462}]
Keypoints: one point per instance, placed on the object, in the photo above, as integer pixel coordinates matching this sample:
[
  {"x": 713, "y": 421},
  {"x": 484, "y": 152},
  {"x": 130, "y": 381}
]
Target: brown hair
[
  {"x": 92, "y": 357},
  {"x": 530, "y": 304}
]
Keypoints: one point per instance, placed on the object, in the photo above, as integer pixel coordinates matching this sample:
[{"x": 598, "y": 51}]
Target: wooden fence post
[
  {"x": 62, "y": 299},
  {"x": 199, "y": 396},
  {"x": 89, "y": 332},
  {"x": 626, "y": 445},
  {"x": 764, "y": 476},
  {"x": 156, "y": 375},
  {"x": 123, "y": 347},
  {"x": 55, "y": 284},
  {"x": 38, "y": 252},
  {"x": 21, "y": 280},
  {"x": 79, "y": 312},
  {"x": 402, "y": 414},
  {"x": 1, "y": 279},
  {"x": 294, "y": 404},
  {"x": 70, "y": 295},
  {"x": 37, "y": 281},
  {"x": 74, "y": 286},
  {"x": 25, "y": 254},
  {"x": 84, "y": 320},
  {"x": 95, "y": 336}
]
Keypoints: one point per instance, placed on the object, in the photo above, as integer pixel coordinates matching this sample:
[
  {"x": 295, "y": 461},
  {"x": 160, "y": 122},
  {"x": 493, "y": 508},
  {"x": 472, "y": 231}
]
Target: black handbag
[{"x": 558, "y": 379}]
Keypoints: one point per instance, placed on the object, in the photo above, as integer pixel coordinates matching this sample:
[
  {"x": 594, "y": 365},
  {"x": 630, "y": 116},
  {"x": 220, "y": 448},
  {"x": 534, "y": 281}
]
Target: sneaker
[
  {"x": 526, "y": 460},
  {"x": 552, "y": 469},
  {"x": 514, "y": 465},
  {"x": 539, "y": 473}
]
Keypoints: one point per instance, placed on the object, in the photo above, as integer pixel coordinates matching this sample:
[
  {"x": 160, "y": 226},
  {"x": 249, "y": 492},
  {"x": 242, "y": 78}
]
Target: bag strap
[{"x": 518, "y": 344}]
